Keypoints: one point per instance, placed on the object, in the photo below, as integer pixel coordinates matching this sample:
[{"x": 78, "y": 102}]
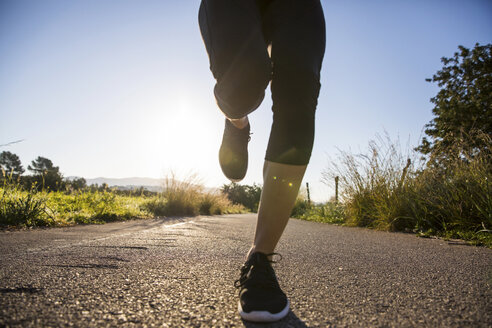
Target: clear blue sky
[{"x": 122, "y": 88}]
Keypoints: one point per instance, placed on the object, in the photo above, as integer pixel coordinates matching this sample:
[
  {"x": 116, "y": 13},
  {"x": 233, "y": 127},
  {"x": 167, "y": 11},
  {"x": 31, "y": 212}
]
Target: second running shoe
[{"x": 233, "y": 153}]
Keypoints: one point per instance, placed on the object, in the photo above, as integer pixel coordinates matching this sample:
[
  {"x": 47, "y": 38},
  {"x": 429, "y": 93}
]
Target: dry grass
[
  {"x": 389, "y": 189},
  {"x": 189, "y": 198},
  {"x": 30, "y": 208}
]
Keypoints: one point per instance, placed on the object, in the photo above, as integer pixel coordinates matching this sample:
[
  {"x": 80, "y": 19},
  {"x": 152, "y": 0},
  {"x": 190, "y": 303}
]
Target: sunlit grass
[
  {"x": 31, "y": 208},
  {"x": 329, "y": 212},
  {"x": 388, "y": 189},
  {"x": 189, "y": 198},
  {"x": 18, "y": 207},
  {"x": 94, "y": 207}
]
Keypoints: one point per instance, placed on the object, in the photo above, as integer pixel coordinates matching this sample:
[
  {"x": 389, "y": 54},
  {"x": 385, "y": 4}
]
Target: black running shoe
[
  {"x": 233, "y": 153},
  {"x": 260, "y": 296}
]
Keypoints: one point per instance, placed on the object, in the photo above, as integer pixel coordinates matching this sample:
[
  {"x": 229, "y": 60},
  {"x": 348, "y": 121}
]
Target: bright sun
[{"x": 184, "y": 139}]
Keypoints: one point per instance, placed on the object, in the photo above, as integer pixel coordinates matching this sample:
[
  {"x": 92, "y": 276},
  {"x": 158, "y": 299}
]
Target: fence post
[
  {"x": 336, "y": 189},
  {"x": 308, "y": 194}
]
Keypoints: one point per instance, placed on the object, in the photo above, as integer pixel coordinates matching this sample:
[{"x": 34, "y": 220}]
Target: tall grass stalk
[
  {"x": 375, "y": 185},
  {"x": 18, "y": 207},
  {"x": 456, "y": 197},
  {"x": 188, "y": 197},
  {"x": 390, "y": 189}
]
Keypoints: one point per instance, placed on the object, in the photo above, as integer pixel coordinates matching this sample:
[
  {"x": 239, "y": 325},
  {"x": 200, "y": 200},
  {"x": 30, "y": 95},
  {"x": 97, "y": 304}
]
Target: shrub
[
  {"x": 215, "y": 203},
  {"x": 155, "y": 205},
  {"x": 189, "y": 198},
  {"x": 246, "y": 195},
  {"x": 301, "y": 206},
  {"x": 388, "y": 190},
  {"x": 182, "y": 197},
  {"x": 21, "y": 208},
  {"x": 376, "y": 185},
  {"x": 457, "y": 196}
]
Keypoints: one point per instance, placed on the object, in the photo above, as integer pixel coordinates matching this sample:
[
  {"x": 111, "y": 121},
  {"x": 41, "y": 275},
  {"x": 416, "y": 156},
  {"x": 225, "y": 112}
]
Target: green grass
[
  {"x": 387, "y": 189},
  {"x": 327, "y": 213},
  {"x": 31, "y": 208},
  {"x": 18, "y": 207},
  {"x": 94, "y": 207}
]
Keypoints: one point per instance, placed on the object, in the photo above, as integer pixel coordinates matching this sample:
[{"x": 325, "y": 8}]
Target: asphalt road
[{"x": 180, "y": 273}]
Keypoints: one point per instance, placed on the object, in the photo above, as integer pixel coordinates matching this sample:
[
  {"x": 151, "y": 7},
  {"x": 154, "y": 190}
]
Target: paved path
[{"x": 180, "y": 274}]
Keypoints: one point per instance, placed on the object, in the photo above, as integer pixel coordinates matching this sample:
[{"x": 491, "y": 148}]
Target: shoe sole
[
  {"x": 224, "y": 158},
  {"x": 263, "y": 316}
]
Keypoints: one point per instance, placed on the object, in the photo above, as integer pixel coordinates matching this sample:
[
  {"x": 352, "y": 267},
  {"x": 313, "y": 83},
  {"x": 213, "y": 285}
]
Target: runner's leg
[
  {"x": 296, "y": 29},
  {"x": 239, "y": 61}
]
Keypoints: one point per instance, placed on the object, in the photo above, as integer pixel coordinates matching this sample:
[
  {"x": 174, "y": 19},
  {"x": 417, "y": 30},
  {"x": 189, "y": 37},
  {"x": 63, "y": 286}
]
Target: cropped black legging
[{"x": 237, "y": 34}]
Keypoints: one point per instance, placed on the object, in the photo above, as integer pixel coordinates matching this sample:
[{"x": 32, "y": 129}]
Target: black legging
[{"x": 237, "y": 34}]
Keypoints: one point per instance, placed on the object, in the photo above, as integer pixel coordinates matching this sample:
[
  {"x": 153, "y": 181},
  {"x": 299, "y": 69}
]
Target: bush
[
  {"x": 457, "y": 196},
  {"x": 182, "y": 197},
  {"x": 189, "y": 198},
  {"x": 376, "y": 185},
  {"x": 215, "y": 203},
  {"x": 248, "y": 196},
  {"x": 20, "y": 208},
  {"x": 388, "y": 190},
  {"x": 301, "y": 206},
  {"x": 155, "y": 205}
]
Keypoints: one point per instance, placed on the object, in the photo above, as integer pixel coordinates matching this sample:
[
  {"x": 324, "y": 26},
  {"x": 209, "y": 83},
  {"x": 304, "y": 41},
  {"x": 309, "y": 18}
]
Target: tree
[
  {"x": 246, "y": 195},
  {"x": 77, "y": 183},
  {"x": 41, "y": 165},
  {"x": 46, "y": 174},
  {"x": 463, "y": 105},
  {"x": 11, "y": 164}
]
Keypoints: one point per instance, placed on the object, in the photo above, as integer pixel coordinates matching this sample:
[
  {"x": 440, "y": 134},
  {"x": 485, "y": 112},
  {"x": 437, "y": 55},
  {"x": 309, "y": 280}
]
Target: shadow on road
[
  {"x": 122, "y": 247},
  {"x": 20, "y": 290},
  {"x": 291, "y": 320},
  {"x": 85, "y": 266}
]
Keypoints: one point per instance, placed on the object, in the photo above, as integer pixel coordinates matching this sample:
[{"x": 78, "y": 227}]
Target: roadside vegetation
[
  {"x": 441, "y": 188},
  {"x": 189, "y": 198},
  {"x": 385, "y": 189},
  {"x": 34, "y": 207}
]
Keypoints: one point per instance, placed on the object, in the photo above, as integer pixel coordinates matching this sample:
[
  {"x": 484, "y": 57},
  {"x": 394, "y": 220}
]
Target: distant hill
[
  {"x": 151, "y": 184},
  {"x": 127, "y": 183}
]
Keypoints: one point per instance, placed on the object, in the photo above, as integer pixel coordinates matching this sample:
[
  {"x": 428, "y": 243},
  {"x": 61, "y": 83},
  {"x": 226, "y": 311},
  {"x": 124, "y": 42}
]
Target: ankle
[
  {"x": 239, "y": 123},
  {"x": 255, "y": 249}
]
